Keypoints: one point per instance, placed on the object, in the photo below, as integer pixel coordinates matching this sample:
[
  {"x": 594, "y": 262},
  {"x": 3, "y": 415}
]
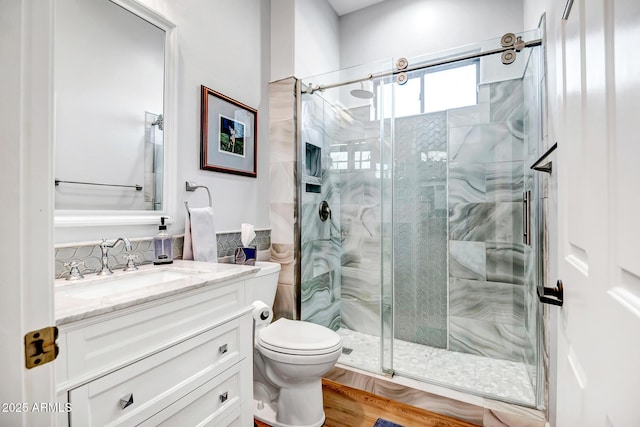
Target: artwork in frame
[{"x": 228, "y": 136}]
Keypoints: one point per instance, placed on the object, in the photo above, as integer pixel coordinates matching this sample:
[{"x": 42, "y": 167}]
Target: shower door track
[{"x": 310, "y": 89}]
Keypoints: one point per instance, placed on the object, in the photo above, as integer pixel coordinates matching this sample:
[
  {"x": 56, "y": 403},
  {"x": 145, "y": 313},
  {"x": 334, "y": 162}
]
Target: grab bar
[
  {"x": 192, "y": 186},
  {"x": 547, "y": 166},
  {"x": 136, "y": 186}
]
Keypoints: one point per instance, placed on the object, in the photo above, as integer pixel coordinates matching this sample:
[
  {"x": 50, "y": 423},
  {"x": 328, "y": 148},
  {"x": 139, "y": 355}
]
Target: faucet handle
[
  {"x": 74, "y": 272},
  {"x": 131, "y": 265}
]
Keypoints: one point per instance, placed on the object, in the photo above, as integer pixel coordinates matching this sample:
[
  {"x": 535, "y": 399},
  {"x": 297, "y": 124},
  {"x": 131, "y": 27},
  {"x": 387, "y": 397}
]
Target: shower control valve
[{"x": 324, "y": 211}]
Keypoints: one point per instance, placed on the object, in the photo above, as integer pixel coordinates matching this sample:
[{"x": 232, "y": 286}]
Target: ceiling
[{"x": 342, "y": 7}]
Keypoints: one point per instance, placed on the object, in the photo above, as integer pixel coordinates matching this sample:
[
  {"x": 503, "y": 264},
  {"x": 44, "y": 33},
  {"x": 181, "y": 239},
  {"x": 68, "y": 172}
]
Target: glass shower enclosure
[{"x": 420, "y": 219}]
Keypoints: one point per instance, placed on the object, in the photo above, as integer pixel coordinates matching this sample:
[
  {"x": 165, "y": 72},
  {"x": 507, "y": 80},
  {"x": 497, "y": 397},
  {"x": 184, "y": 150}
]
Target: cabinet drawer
[
  {"x": 216, "y": 403},
  {"x": 159, "y": 380},
  {"x": 112, "y": 341}
]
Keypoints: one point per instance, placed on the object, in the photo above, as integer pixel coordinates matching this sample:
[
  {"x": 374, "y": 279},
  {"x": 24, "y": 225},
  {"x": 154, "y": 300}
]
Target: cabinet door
[{"x": 157, "y": 381}]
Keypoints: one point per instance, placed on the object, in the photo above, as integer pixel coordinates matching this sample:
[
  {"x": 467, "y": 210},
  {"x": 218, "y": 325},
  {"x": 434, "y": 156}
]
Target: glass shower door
[
  {"x": 464, "y": 264},
  {"x": 422, "y": 265},
  {"x": 348, "y": 147}
]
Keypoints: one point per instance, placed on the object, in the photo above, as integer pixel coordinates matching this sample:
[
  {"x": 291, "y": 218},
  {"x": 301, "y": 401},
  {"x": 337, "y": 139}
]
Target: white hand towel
[{"x": 200, "y": 236}]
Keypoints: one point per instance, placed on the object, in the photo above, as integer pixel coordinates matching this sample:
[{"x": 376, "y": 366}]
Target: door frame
[{"x": 26, "y": 169}]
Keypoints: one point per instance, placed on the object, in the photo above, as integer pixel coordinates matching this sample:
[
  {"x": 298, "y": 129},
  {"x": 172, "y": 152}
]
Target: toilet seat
[{"x": 295, "y": 337}]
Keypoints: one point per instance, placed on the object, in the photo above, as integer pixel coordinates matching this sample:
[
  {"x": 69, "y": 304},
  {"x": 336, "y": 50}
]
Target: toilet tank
[{"x": 264, "y": 283}]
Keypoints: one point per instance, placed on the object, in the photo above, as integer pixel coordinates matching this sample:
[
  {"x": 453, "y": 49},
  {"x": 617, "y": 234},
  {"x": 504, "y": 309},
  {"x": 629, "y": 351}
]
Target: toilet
[{"x": 289, "y": 359}]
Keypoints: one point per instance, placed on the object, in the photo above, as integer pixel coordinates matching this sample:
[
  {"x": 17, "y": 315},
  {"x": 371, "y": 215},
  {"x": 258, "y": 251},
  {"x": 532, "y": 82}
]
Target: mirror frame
[{"x": 83, "y": 218}]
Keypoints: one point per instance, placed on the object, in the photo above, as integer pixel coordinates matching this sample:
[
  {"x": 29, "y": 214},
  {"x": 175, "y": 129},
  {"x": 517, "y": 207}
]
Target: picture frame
[{"x": 228, "y": 135}]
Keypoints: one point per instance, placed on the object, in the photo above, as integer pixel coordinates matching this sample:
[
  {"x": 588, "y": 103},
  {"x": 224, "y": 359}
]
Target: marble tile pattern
[
  {"x": 489, "y": 302},
  {"x": 90, "y": 254},
  {"x": 320, "y": 260},
  {"x": 283, "y": 195},
  {"x": 360, "y": 222}
]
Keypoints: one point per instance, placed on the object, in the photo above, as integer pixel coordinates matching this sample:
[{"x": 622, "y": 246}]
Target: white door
[
  {"x": 598, "y": 178},
  {"x": 26, "y": 219}
]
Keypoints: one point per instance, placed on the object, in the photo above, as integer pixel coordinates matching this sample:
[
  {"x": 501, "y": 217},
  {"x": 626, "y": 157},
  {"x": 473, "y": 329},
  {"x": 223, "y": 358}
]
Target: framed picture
[{"x": 228, "y": 136}]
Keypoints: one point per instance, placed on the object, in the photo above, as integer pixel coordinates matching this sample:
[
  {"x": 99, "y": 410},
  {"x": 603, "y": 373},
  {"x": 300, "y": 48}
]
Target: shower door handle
[
  {"x": 557, "y": 294},
  {"x": 526, "y": 218}
]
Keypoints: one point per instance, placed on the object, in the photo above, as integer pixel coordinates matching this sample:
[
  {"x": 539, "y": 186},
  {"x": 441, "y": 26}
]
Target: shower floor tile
[{"x": 493, "y": 378}]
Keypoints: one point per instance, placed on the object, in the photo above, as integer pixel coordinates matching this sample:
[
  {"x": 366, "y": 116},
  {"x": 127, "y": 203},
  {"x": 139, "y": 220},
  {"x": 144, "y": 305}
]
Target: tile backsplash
[{"x": 89, "y": 255}]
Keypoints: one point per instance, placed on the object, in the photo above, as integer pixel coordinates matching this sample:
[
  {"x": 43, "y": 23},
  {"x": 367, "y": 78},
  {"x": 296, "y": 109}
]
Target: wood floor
[{"x": 348, "y": 407}]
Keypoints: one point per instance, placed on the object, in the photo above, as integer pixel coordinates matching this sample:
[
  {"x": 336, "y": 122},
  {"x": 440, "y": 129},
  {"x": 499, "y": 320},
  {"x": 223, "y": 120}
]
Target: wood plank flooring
[{"x": 348, "y": 407}]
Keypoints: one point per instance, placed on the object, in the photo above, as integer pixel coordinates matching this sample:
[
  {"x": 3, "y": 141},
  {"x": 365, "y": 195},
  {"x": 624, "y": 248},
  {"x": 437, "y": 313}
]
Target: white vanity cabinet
[{"x": 182, "y": 360}]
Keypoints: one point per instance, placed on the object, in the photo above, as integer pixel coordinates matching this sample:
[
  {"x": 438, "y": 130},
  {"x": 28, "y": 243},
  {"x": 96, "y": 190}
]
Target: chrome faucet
[{"x": 104, "y": 246}]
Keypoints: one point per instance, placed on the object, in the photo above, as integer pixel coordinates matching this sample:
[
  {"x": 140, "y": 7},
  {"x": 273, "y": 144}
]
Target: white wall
[
  {"x": 406, "y": 28},
  {"x": 282, "y": 39},
  {"x": 304, "y": 39},
  {"x": 317, "y": 40},
  {"x": 224, "y": 45}
]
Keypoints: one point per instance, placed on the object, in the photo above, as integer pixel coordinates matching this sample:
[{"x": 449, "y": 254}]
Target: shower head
[{"x": 361, "y": 93}]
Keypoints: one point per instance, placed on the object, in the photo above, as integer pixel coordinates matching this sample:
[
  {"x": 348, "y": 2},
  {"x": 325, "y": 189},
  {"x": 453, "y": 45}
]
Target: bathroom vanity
[{"x": 158, "y": 346}]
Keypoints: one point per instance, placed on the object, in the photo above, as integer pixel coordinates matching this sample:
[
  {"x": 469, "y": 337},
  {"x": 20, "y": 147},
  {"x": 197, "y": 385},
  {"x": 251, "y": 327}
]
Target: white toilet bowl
[{"x": 290, "y": 358}]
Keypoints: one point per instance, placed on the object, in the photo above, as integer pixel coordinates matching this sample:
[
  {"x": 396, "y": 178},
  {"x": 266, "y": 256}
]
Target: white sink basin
[{"x": 127, "y": 282}]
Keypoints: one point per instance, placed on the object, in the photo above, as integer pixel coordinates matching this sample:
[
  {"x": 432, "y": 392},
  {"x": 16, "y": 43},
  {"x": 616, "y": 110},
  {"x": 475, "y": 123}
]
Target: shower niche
[{"x": 313, "y": 168}]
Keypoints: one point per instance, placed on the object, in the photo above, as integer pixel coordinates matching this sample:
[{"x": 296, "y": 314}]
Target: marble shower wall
[
  {"x": 487, "y": 257},
  {"x": 420, "y": 234},
  {"x": 320, "y": 240},
  {"x": 283, "y": 178},
  {"x": 361, "y": 181}
]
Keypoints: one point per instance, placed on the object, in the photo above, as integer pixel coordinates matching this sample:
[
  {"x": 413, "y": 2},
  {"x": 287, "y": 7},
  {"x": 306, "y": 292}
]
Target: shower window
[
  {"x": 339, "y": 159},
  {"x": 351, "y": 160},
  {"x": 448, "y": 87},
  {"x": 362, "y": 160}
]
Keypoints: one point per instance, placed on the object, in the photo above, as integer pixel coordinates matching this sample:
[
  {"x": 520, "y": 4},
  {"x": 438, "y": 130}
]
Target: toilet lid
[{"x": 298, "y": 337}]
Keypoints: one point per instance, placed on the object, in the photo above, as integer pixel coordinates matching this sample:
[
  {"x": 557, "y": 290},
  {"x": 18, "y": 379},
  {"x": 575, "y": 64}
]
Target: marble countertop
[{"x": 95, "y": 295}]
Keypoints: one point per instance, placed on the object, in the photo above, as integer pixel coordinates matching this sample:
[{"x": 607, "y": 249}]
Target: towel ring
[{"x": 192, "y": 186}]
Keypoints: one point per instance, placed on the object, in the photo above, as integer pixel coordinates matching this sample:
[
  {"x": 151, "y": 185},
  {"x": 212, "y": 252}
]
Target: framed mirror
[{"x": 114, "y": 83}]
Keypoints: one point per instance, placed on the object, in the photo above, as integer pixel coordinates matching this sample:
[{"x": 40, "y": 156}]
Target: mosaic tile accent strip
[
  {"x": 228, "y": 242},
  {"x": 420, "y": 229},
  {"x": 486, "y": 376},
  {"x": 91, "y": 255}
]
